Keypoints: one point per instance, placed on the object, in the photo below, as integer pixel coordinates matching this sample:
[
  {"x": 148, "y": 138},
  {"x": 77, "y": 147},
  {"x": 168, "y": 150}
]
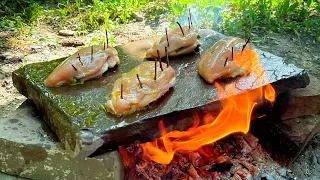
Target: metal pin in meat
[
  {"x": 167, "y": 37},
  {"x": 189, "y": 22},
  {"x": 74, "y": 67},
  {"x": 107, "y": 38},
  {"x": 190, "y": 17},
  {"x": 159, "y": 60},
  {"x": 180, "y": 28},
  {"x": 225, "y": 63},
  {"x": 121, "y": 87},
  {"x": 139, "y": 81},
  {"x": 167, "y": 55},
  {"x": 232, "y": 54},
  {"x": 244, "y": 46},
  {"x": 155, "y": 68},
  {"x": 91, "y": 53},
  {"x": 80, "y": 59}
]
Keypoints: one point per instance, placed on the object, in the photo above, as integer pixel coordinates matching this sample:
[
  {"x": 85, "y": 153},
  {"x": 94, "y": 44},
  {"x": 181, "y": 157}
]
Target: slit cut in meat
[
  {"x": 87, "y": 63},
  {"x": 138, "y": 94},
  {"x": 180, "y": 43},
  {"x": 225, "y": 59}
]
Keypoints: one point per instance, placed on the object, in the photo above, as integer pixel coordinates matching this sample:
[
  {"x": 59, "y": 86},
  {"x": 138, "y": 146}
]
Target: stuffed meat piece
[
  {"x": 87, "y": 63},
  {"x": 139, "y": 87},
  {"x": 227, "y": 58},
  {"x": 181, "y": 40}
]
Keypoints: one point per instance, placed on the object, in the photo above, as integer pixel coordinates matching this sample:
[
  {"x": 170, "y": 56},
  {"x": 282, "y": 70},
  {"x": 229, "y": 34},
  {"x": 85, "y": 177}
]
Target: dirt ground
[{"x": 43, "y": 45}]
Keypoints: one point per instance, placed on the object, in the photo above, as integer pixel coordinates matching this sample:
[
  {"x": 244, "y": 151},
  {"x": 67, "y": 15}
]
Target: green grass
[{"x": 236, "y": 17}]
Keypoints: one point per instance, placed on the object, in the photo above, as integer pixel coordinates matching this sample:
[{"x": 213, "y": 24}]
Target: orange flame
[{"x": 234, "y": 117}]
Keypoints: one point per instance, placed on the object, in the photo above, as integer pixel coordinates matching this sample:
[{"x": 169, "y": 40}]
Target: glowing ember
[{"x": 234, "y": 117}]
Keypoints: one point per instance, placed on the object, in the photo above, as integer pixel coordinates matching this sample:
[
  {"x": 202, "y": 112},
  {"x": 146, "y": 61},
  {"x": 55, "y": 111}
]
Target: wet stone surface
[
  {"x": 29, "y": 154},
  {"x": 68, "y": 109}
]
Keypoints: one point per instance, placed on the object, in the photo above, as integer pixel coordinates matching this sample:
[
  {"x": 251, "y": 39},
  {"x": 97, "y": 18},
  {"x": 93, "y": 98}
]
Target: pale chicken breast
[
  {"x": 90, "y": 65},
  {"x": 178, "y": 43},
  {"x": 215, "y": 65},
  {"x": 136, "y": 96}
]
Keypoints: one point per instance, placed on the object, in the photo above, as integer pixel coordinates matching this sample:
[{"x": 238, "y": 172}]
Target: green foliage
[
  {"x": 261, "y": 16},
  {"x": 87, "y": 16},
  {"x": 235, "y": 17},
  {"x": 247, "y": 17},
  {"x": 18, "y": 14},
  {"x": 80, "y": 15}
]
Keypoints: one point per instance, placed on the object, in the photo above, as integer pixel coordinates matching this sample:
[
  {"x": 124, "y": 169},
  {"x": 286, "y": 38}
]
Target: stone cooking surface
[
  {"x": 29, "y": 150},
  {"x": 77, "y": 116}
]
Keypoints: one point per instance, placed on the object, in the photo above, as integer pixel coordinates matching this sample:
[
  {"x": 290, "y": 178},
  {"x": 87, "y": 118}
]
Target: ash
[{"x": 236, "y": 157}]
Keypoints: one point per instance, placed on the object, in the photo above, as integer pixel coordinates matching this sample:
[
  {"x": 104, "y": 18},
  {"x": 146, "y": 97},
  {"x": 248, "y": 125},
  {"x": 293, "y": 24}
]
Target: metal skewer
[
  {"x": 167, "y": 37},
  {"x": 180, "y": 28},
  {"x": 91, "y": 53},
  {"x": 159, "y": 60},
  {"x": 80, "y": 59},
  {"x": 74, "y": 67},
  {"x": 139, "y": 81},
  {"x": 107, "y": 39},
  {"x": 121, "y": 89},
  {"x": 190, "y": 17},
  {"x": 244, "y": 46},
  {"x": 155, "y": 69},
  {"x": 232, "y": 54},
  {"x": 225, "y": 62},
  {"x": 167, "y": 55}
]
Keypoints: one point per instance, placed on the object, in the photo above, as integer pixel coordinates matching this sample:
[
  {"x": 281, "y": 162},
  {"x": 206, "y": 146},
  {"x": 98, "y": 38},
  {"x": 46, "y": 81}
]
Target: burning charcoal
[
  {"x": 220, "y": 167},
  {"x": 142, "y": 174},
  {"x": 174, "y": 172},
  {"x": 251, "y": 140},
  {"x": 203, "y": 171},
  {"x": 254, "y": 171},
  {"x": 183, "y": 162},
  {"x": 257, "y": 156},
  {"x": 246, "y": 157},
  {"x": 195, "y": 158},
  {"x": 223, "y": 159},
  {"x": 235, "y": 168},
  {"x": 245, "y": 147},
  {"x": 235, "y": 177},
  {"x": 220, "y": 175},
  {"x": 244, "y": 174},
  {"x": 192, "y": 172},
  {"x": 209, "y": 151}
]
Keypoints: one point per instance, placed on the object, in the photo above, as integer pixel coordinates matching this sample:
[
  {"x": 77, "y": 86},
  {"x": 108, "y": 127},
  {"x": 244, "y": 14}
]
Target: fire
[{"x": 234, "y": 117}]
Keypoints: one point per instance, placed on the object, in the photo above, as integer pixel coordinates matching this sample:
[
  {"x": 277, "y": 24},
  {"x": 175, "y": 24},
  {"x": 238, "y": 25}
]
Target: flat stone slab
[
  {"x": 293, "y": 121},
  {"x": 77, "y": 116},
  {"x": 29, "y": 150}
]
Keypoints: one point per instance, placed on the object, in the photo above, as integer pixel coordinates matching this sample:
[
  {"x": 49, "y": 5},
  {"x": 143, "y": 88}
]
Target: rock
[
  {"x": 277, "y": 136},
  {"x": 4, "y": 176},
  {"x": 29, "y": 151},
  {"x": 137, "y": 16},
  {"x": 4, "y": 83},
  {"x": 36, "y": 49},
  {"x": 72, "y": 43},
  {"x": 303, "y": 101},
  {"x": 67, "y": 112},
  {"x": 5, "y": 34},
  {"x": 65, "y": 32}
]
